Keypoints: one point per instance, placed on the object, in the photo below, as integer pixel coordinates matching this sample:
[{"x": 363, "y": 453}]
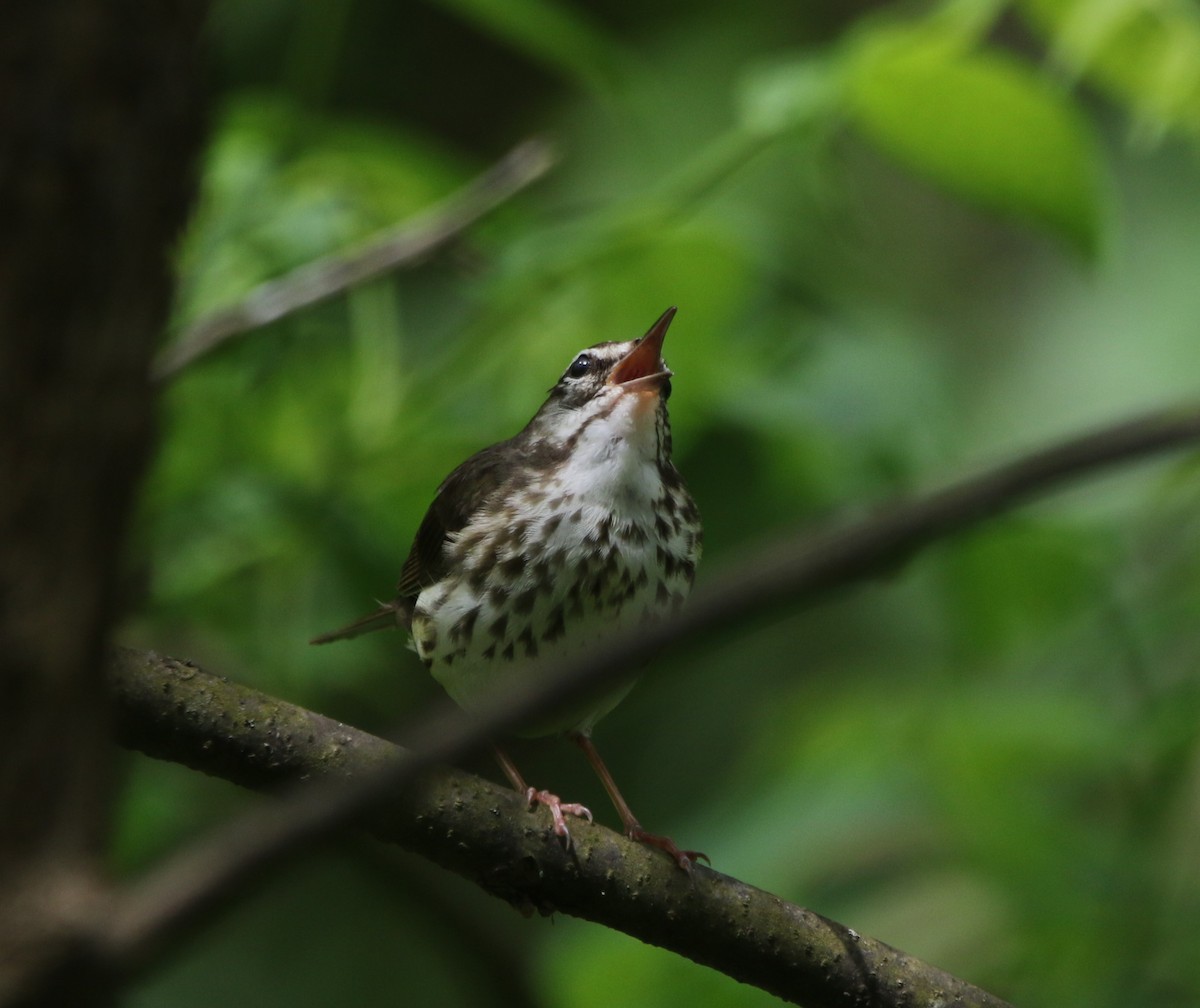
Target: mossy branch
[
  {"x": 261, "y": 742},
  {"x": 175, "y": 711}
]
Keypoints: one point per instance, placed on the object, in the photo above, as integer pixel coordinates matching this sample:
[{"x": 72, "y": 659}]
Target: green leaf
[
  {"x": 782, "y": 96},
  {"x": 1146, "y": 56},
  {"x": 982, "y": 125},
  {"x": 283, "y": 186}
]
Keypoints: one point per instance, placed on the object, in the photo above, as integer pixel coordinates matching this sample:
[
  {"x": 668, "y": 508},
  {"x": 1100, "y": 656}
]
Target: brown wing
[{"x": 460, "y": 496}]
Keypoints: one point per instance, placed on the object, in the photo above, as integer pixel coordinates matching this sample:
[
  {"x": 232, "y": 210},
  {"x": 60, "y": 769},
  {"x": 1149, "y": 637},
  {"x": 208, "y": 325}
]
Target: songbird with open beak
[{"x": 543, "y": 546}]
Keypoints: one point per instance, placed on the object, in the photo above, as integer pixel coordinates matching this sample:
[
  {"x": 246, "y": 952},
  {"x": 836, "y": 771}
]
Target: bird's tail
[{"x": 389, "y": 615}]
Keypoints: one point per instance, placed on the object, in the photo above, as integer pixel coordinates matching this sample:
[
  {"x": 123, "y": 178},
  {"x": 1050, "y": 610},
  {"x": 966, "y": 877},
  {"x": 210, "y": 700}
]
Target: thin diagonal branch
[
  {"x": 173, "y": 710},
  {"x": 323, "y": 278},
  {"x": 795, "y": 570}
]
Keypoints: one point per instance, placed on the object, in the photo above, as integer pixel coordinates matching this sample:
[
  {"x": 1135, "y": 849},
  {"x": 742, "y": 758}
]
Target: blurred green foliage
[{"x": 906, "y": 242}]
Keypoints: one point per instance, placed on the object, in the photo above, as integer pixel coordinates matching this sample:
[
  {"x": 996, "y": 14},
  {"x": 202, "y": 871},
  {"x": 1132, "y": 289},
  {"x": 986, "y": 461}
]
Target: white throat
[{"x": 615, "y": 457}]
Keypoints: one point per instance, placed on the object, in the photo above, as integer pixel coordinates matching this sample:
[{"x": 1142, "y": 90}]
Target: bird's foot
[
  {"x": 558, "y": 811},
  {"x": 684, "y": 858}
]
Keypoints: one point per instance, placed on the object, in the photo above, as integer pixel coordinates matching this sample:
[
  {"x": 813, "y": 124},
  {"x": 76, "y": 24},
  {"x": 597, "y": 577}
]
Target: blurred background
[{"x": 907, "y": 242}]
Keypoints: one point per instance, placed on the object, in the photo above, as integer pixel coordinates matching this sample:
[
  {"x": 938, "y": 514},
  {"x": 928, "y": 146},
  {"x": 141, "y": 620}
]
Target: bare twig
[
  {"x": 407, "y": 243},
  {"x": 793, "y": 571},
  {"x": 480, "y": 830}
]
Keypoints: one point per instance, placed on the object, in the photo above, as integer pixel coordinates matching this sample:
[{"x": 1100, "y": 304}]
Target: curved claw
[
  {"x": 683, "y": 858},
  {"x": 558, "y": 811}
]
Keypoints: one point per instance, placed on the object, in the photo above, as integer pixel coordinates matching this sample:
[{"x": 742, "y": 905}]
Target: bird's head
[{"x": 612, "y": 392}]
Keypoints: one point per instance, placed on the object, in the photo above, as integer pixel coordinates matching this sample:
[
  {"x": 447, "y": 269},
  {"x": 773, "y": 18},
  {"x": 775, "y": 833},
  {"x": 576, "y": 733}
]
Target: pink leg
[
  {"x": 535, "y": 797},
  {"x": 633, "y": 828}
]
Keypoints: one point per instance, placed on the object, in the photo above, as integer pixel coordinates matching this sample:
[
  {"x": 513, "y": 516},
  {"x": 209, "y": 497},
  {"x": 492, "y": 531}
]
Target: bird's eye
[{"x": 580, "y": 366}]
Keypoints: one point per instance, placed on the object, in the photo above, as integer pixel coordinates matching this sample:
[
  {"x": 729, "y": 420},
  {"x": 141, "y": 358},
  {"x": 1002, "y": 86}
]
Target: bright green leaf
[
  {"x": 782, "y": 96},
  {"x": 982, "y": 125},
  {"x": 1146, "y": 55}
]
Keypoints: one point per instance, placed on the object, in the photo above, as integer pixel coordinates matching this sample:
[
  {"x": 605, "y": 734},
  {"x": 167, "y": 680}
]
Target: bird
[{"x": 540, "y": 547}]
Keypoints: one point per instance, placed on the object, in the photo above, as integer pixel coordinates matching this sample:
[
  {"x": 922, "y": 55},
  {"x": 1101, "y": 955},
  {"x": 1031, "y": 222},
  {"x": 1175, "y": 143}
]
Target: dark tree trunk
[{"x": 100, "y": 124}]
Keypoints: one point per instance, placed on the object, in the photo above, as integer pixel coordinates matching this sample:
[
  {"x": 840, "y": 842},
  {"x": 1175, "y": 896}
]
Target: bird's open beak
[{"x": 644, "y": 364}]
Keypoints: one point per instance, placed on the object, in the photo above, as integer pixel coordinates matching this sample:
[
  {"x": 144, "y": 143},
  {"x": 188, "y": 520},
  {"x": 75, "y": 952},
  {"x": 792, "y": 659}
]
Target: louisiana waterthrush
[{"x": 541, "y": 546}]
